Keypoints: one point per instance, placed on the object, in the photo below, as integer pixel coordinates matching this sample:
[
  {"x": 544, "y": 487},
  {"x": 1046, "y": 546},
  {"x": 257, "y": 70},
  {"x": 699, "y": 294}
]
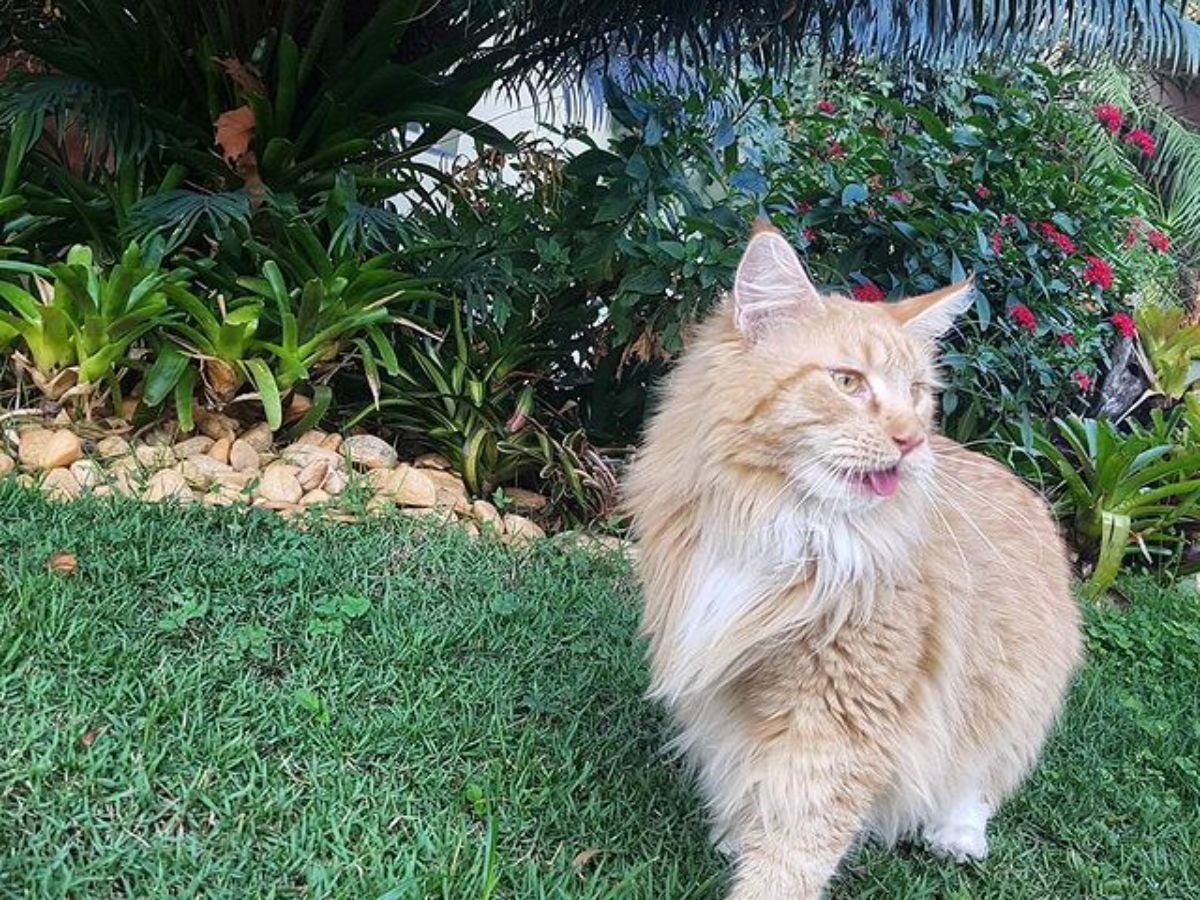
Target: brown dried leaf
[
  {"x": 63, "y": 563},
  {"x": 92, "y": 735},
  {"x": 583, "y": 857},
  {"x": 244, "y": 76},
  {"x": 234, "y": 132}
]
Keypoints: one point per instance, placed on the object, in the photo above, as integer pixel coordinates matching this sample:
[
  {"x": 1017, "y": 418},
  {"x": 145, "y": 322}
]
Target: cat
[{"x": 860, "y": 628}]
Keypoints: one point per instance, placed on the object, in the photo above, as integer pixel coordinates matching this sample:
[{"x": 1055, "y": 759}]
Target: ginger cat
[{"x": 861, "y": 629}]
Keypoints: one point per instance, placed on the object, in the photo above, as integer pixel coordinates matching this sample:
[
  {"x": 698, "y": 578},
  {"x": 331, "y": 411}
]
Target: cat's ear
[
  {"x": 771, "y": 283},
  {"x": 929, "y": 316}
]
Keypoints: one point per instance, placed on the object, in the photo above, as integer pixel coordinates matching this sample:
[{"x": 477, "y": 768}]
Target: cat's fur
[{"x": 840, "y": 661}]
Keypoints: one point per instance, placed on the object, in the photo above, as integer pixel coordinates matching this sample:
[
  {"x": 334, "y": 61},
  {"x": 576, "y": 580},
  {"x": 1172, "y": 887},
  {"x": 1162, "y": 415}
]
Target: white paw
[
  {"x": 729, "y": 848},
  {"x": 960, "y": 842}
]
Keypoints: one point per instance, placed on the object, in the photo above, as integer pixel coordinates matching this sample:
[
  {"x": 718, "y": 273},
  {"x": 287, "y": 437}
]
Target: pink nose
[{"x": 908, "y": 442}]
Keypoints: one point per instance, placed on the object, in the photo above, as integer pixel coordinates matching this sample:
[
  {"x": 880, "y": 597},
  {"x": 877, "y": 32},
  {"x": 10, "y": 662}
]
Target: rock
[
  {"x": 60, "y": 484},
  {"x": 313, "y": 475},
  {"x": 404, "y": 486},
  {"x": 312, "y": 437},
  {"x": 163, "y": 436},
  {"x": 216, "y": 425},
  {"x": 370, "y": 452},
  {"x": 112, "y": 446},
  {"x": 200, "y": 470},
  {"x": 220, "y": 450},
  {"x": 276, "y": 505},
  {"x": 298, "y": 406},
  {"x": 525, "y": 501},
  {"x": 42, "y": 449},
  {"x": 521, "y": 530},
  {"x": 432, "y": 461},
  {"x": 26, "y": 480},
  {"x": 279, "y": 484},
  {"x": 259, "y": 437},
  {"x": 243, "y": 457},
  {"x": 102, "y": 490},
  {"x": 167, "y": 484},
  {"x": 193, "y": 446},
  {"x": 332, "y": 442},
  {"x": 335, "y": 482},
  {"x": 487, "y": 516},
  {"x": 154, "y": 456},
  {"x": 87, "y": 472},
  {"x": 302, "y": 454},
  {"x": 451, "y": 491},
  {"x": 471, "y": 529},
  {"x": 235, "y": 481},
  {"x": 6, "y": 464},
  {"x": 124, "y": 482},
  {"x": 222, "y": 497},
  {"x": 315, "y": 496}
]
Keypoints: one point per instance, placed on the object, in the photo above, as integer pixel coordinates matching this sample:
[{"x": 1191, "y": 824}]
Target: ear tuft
[
  {"x": 929, "y": 316},
  {"x": 770, "y": 283}
]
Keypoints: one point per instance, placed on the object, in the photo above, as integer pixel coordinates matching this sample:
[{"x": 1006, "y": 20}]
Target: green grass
[{"x": 221, "y": 705}]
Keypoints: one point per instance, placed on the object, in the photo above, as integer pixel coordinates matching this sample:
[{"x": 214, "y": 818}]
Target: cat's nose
[{"x": 908, "y": 442}]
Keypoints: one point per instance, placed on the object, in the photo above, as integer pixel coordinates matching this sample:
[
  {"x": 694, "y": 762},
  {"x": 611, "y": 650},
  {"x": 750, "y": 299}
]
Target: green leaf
[
  {"x": 168, "y": 368},
  {"x": 268, "y": 391}
]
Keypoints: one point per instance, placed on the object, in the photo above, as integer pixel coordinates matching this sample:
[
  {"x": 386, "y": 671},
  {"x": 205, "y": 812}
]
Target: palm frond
[
  {"x": 178, "y": 214},
  {"x": 573, "y": 34},
  {"x": 108, "y": 120},
  {"x": 1174, "y": 168}
]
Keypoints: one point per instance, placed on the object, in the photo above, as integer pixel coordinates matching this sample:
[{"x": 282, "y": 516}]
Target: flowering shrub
[
  {"x": 992, "y": 176},
  {"x": 986, "y": 175}
]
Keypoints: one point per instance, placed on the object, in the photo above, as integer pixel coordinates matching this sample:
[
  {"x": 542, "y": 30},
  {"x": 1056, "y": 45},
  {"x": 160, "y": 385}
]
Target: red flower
[
  {"x": 826, "y": 106},
  {"x": 1023, "y": 316},
  {"x": 1083, "y": 379},
  {"x": 1109, "y": 116},
  {"x": 809, "y": 235},
  {"x": 1066, "y": 339},
  {"x": 803, "y": 207},
  {"x": 901, "y": 197},
  {"x": 1056, "y": 237},
  {"x": 868, "y": 292},
  {"x": 1098, "y": 272},
  {"x": 1142, "y": 140},
  {"x": 836, "y": 150},
  {"x": 1130, "y": 239},
  {"x": 997, "y": 243},
  {"x": 982, "y": 192},
  {"x": 1158, "y": 240},
  {"x": 1123, "y": 322},
  {"x": 1007, "y": 219}
]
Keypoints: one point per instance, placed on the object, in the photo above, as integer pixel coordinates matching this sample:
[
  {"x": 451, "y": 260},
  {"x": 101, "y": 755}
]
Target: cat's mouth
[{"x": 880, "y": 482}]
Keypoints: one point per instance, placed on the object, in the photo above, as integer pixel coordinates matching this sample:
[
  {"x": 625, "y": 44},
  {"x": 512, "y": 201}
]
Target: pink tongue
[{"x": 884, "y": 482}]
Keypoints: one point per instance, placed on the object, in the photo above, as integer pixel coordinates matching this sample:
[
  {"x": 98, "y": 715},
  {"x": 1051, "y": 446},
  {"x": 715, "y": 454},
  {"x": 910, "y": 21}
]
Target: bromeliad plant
[
  {"x": 1171, "y": 348},
  {"x": 79, "y": 321},
  {"x": 1119, "y": 493},
  {"x": 472, "y": 398},
  {"x": 286, "y": 331}
]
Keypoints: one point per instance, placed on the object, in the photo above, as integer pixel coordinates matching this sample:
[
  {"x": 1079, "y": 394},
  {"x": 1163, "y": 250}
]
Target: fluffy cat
[{"x": 859, "y": 627}]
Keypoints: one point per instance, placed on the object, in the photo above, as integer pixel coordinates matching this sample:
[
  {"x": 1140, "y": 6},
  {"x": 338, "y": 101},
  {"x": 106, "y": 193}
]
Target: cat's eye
[{"x": 848, "y": 382}]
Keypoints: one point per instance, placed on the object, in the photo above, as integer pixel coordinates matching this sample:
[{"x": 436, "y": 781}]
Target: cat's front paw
[{"x": 961, "y": 843}]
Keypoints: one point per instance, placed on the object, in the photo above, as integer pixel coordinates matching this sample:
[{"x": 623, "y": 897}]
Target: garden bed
[
  {"x": 227, "y": 463},
  {"x": 216, "y": 702}
]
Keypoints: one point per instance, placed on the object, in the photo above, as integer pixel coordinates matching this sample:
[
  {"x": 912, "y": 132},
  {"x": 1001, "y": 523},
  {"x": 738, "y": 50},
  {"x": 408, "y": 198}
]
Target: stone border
[{"x": 226, "y": 464}]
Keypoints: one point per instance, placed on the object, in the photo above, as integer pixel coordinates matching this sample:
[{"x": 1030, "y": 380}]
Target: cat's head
[{"x": 836, "y": 395}]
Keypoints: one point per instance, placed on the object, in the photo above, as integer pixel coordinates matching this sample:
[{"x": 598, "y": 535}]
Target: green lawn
[{"x": 223, "y": 706}]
